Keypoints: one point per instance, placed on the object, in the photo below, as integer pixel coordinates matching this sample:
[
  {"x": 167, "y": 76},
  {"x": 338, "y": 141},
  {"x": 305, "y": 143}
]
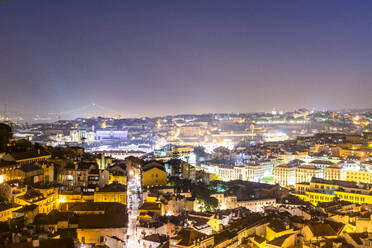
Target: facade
[
  {"x": 284, "y": 175},
  {"x": 189, "y": 237},
  {"x": 27, "y": 157},
  {"x": 252, "y": 172},
  {"x": 154, "y": 174},
  {"x": 118, "y": 176},
  {"x": 8, "y": 170},
  {"x": 231, "y": 202},
  {"x": 321, "y": 190},
  {"x": 321, "y": 164},
  {"x": 304, "y": 173},
  {"x": 6, "y": 211},
  {"x": 30, "y": 173},
  {"x": 76, "y": 175},
  {"x": 71, "y": 197},
  {"x": 359, "y": 176},
  {"x": 112, "y": 193},
  {"x": 257, "y": 205},
  {"x": 45, "y": 199},
  {"x": 333, "y": 172}
]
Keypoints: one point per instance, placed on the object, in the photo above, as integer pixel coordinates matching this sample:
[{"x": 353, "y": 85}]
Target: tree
[
  {"x": 5, "y": 136},
  {"x": 200, "y": 151},
  {"x": 203, "y": 195},
  {"x": 209, "y": 203},
  {"x": 218, "y": 187},
  {"x": 22, "y": 145},
  {"x": 220, "y": 153}
]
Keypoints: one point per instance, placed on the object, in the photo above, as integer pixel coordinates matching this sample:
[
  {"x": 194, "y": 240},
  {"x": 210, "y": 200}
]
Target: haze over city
[
  {"x": 155, "y": 58},
  {"x": 185, "y": 124}
]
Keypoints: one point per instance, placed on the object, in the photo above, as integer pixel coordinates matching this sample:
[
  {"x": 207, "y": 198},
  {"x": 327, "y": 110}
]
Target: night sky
[{"x": 148, "y": 58}]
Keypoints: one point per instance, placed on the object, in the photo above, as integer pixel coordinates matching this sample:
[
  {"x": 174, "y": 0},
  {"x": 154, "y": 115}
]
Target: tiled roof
[
  {"x": 114, "y": 187},
  {"x": 29, "y": 168},
  {"x": 5, "y": 206},
  {"x": 118, "y": 220},
  {"x": 156, "y": 238},
  {"x": 321, "y": 229},
  {"x": 151, "y": 206},
  {"x": 279, "y": 241},
  {"x": 48, "y": 243},
  {"x": 188, "y": 236},
  {"x": 28, "y": 155}
]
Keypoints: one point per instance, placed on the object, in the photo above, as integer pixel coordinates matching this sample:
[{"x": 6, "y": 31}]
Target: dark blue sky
[{"x": 160, "y": 57}]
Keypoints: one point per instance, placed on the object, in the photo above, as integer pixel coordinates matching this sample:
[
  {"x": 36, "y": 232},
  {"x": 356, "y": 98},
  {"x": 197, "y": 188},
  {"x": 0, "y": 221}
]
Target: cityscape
[{"x": 185, "y": 124}]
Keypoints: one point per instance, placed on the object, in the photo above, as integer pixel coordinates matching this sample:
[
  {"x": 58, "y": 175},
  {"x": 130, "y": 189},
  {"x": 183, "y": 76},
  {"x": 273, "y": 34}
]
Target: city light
[{"x": 230, "y": 124}]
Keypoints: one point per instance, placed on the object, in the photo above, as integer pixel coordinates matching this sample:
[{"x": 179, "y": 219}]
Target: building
[
  {"x": 93, "y": 229},
  {"x": 30, "y": 173},
  {"x": 277, "y": 229},
  {"x": 333, "y": 172},
  {"x": 27, "y": 157},
  {"x": 72, "y": 196},
  {"x": 111, "y": 135},
  {"x": 321, "y": 164},
  {"x": 189, "y": 237},
  {"x": 150, "y": 209},
  {"x": 154, "y": 174},
  {"x": 118, "y": 176},
  {"x": 153, "y": 241},
  {"x": 304, "y": 173},
  {"x": 103, "y": 162},
  {"x": 359, "y": 176},
  {"x": 114, "y": 192},
  {"x": 76, "y": 174},
  {"x": 6, "y": 211},
  {"x": 45, "y": 199},
  {"x": 284, "y": 175},
  {"x": 321, "y": 190},
  {"x": 98, "y": 221},
  {"x": 7, "y": 170},
  {"x": 178, "y": 168}
]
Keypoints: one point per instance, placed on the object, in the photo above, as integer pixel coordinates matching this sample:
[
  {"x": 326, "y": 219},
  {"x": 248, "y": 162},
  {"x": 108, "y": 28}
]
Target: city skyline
[
  {"x": 185, "y": 124},
  {"x": 156, "y": 59},
  {"x": 94, "y": 110}
]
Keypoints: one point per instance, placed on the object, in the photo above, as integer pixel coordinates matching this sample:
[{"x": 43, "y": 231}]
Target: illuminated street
[{"x": 134, "y": 199}]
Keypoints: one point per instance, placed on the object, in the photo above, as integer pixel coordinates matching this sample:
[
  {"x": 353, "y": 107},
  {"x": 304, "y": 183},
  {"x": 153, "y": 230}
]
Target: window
[{"x": 101, "y": 239}]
